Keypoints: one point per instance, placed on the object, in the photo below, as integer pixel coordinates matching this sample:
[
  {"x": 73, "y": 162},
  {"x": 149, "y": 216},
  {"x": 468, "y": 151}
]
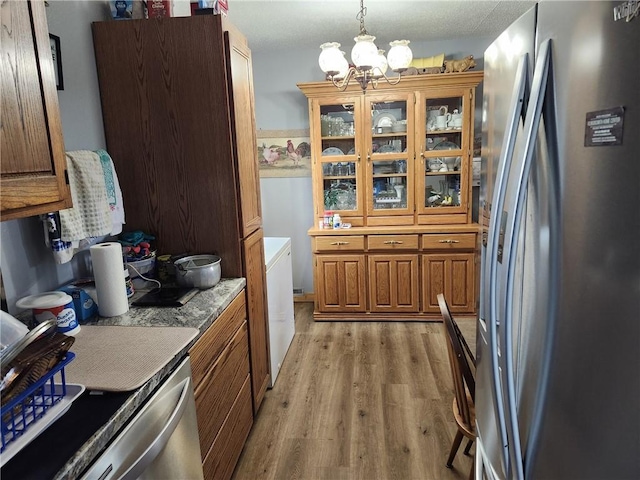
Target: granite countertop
[{"x": 199, "y": 312}]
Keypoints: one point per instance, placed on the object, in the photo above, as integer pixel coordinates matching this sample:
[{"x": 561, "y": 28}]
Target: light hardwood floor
[{"x": 358, "y": 400}]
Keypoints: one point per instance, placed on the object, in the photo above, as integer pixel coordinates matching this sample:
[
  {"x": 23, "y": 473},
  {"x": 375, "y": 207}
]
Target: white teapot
[
  {"x": 436, "y": 165},
  {"x": 456, "y": 119}
]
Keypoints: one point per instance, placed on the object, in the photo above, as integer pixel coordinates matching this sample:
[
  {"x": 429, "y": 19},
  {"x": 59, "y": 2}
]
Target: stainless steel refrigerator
[{"x": 558, "y": 343}]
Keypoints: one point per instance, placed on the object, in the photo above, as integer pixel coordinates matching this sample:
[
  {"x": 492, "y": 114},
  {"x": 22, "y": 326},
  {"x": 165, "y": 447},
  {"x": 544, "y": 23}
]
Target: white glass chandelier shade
[
  {"x": 400, "y": 55},
  {"x": 331, "y": 58},
  {"x": 368, "y": 64},
  {"x": 380, "y": 66},
  {"x": 364, "y": 52},
  {"x": 343, "y": 69}
]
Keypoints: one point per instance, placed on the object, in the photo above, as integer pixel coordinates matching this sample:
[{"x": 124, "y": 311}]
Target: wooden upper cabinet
[
  {"x": 338, "y": 151},
  {"x": 33, "y": 159},
  {"x": 244, "y": 128},
  {"x": 388, "y": 136},
  {"x": 382, "y": 159},
  {"x": 444, "y": 171}
]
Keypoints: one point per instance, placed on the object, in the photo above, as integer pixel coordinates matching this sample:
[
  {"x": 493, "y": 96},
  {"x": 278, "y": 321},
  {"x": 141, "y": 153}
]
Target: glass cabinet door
[
  {"x": 444, "y": 125},
  {"x": 388, "y": 135},
  {"x": 339, "y": 156}
]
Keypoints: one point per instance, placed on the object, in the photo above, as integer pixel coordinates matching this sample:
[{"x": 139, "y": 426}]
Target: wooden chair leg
[
  {"x": 454, "y": 448},
  {"x": 468, "y": 447}
]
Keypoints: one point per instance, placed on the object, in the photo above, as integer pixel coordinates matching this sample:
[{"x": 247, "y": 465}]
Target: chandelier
[{"x": 369, "y": 63}]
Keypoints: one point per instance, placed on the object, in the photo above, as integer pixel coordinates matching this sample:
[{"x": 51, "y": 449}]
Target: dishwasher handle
[{"x": 156, "y": 446}]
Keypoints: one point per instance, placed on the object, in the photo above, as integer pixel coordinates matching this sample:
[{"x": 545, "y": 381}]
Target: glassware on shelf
[
  {"x": 339, "y": 169},
  {"x": 334, "y": 126},
  {"x": 340, "y": 196},
  {"x": 389, "y": 192}
]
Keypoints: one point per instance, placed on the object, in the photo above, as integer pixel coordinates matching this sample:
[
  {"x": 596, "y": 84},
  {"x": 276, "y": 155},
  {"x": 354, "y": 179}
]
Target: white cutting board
[{"x": 122, "y": 359}]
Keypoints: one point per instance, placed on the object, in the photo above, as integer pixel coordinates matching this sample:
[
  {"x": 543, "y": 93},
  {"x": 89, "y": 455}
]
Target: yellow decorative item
[{"x": 428, "y": 62}]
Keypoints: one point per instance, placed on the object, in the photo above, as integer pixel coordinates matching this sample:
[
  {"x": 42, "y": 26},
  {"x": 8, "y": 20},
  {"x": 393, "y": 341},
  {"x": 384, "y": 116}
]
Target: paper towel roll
[{"x": 108, "y": 271}]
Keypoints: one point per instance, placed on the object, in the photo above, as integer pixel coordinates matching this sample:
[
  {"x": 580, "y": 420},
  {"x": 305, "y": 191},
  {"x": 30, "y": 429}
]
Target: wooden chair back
[{"x": 460, "y": 361}]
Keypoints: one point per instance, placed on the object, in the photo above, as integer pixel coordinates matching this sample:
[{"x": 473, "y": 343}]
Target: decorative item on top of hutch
[{"x": 396, "y": 165}]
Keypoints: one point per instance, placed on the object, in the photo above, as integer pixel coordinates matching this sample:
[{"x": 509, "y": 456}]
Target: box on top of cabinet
[
  {"x": 159, "y": 8},
  {"x": 121, "y": 9}
]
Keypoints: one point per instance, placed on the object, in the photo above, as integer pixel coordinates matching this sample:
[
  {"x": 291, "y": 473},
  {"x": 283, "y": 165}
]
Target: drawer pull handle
[
  {"x": 339, "y": 243},
  {"x": 449, "y": 241},
  {"x": 393, "y": 242}
]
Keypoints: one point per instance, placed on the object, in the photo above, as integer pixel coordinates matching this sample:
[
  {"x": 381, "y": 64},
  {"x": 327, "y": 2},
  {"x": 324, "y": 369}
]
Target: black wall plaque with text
[{"x": 604, "y": 127}]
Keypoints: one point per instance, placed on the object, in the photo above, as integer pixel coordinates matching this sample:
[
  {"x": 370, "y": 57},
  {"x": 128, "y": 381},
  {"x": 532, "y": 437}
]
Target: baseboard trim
[{"x": 304, "y": 298}]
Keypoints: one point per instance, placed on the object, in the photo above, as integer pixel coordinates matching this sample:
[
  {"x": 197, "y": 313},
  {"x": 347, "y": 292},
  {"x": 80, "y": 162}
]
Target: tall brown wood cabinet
[
  {"x": 33, "y": 166},
  {"x": 178, "y": 109},
  {"x": 395, "y": 164}
]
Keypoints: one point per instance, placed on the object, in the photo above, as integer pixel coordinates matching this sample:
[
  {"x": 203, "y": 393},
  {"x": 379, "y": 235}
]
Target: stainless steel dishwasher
[{"x": 161, "y": 441}]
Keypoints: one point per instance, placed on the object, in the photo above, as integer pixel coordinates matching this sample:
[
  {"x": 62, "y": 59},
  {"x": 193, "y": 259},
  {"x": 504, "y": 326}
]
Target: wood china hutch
[{"x": 391, "y": 168}]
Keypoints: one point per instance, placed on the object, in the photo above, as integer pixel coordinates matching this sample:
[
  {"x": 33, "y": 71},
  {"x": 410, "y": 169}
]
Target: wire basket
[{"x": 33, "y": 403}]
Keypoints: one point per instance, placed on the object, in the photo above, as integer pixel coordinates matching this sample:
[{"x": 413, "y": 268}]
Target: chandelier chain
[{"x": 360, "y": 16}]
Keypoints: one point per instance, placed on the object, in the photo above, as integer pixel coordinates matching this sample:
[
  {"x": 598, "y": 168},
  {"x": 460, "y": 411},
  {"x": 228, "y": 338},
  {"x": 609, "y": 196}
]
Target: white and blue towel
[
  {"x": 90, "y": 215},
  {"x": 97, "y": 210}
]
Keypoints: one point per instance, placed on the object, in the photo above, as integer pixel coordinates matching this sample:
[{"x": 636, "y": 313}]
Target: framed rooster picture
[{"x": 284, "y": 153}]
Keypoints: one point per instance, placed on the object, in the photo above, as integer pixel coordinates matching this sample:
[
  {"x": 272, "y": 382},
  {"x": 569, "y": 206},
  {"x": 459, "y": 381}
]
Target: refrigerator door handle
[
  {"x": 522, "y": 168},
  {"x": 506, "y": 155}
]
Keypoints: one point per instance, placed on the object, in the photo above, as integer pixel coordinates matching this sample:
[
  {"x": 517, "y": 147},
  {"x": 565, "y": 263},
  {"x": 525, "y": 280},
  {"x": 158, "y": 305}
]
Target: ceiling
[{"x": 278, "y": 25}]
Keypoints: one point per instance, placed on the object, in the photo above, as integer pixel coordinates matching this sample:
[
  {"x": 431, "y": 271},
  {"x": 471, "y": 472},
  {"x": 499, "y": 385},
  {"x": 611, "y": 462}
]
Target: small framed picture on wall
[{"x": 56, "y": 54}]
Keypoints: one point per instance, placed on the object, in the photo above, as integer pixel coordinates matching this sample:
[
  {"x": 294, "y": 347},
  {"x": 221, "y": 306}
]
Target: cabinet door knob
[
  {"x": 368, "y": 156},
  {"x": 339, "y": 243},
  {"x": 358, "y": 157},
  {"x": 449, "y": 241},
  {"x": 393, "y": 242}
]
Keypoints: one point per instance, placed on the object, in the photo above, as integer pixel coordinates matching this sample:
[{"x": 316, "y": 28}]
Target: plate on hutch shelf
[
  {"x": 384, "y": 120},
  {"x": 446, "y": 145},
  {"x": 332, "y": 151},
  {"x": 388, "y": 149}
]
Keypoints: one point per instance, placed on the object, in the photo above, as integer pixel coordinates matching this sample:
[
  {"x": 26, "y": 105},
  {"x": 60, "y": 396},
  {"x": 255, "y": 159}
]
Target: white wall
[{"x": 287, "y": 203}]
